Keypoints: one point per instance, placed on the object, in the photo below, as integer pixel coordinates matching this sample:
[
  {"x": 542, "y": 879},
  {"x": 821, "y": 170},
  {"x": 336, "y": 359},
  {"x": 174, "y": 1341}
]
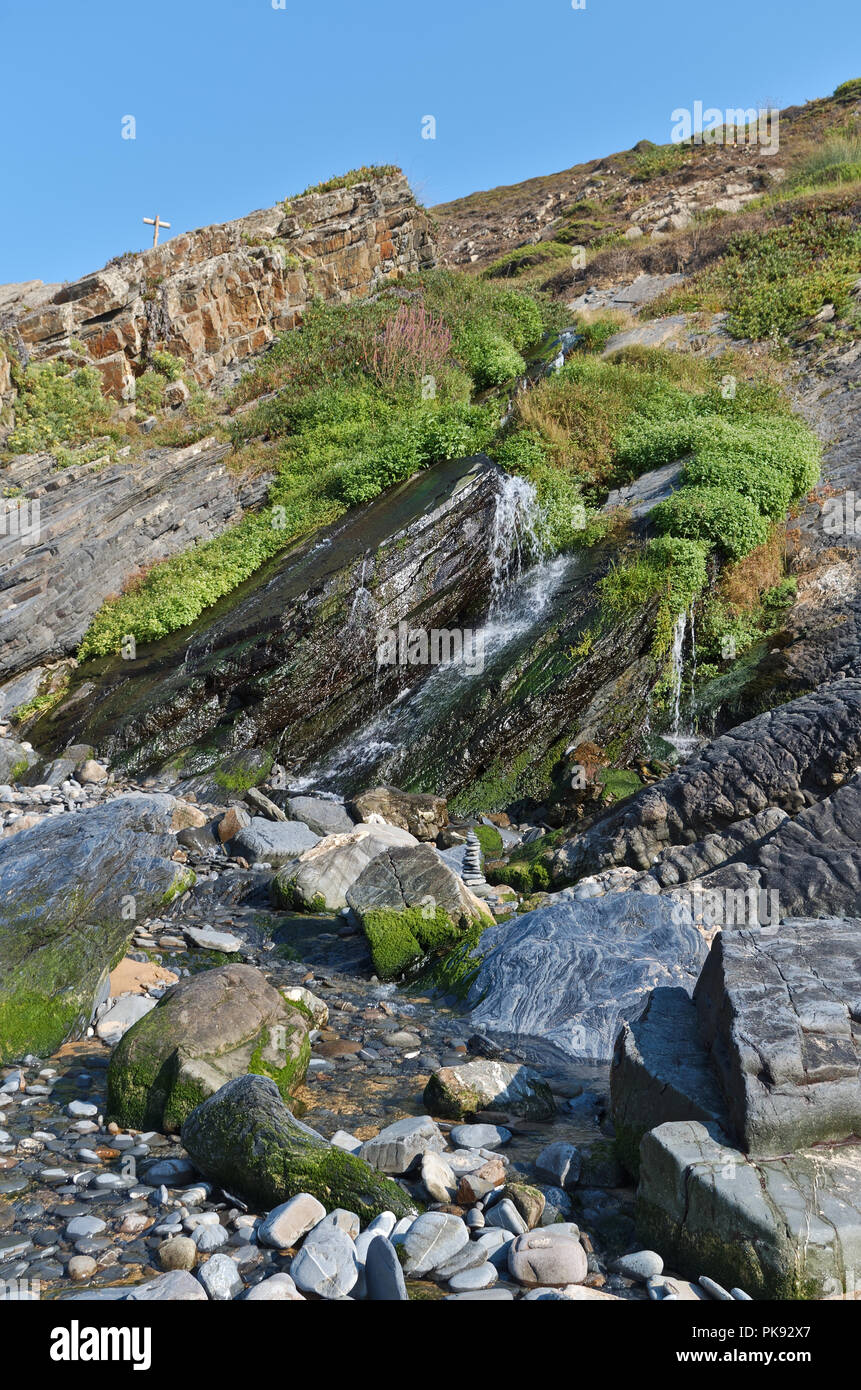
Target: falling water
[
  {"x": 678, "y": 648},
  {"x": 684, "y": 742},
  {"x": 523, "y": 585},
  {"x": 515, "y": 541}
]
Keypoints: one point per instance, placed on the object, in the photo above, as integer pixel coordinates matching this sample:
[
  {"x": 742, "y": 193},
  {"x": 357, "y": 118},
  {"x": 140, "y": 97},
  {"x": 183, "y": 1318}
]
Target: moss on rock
[
  {"x": 218, "y": 1024},
  {"x": 401, "y": 938},
  {"x": 245, "y": 1138}
]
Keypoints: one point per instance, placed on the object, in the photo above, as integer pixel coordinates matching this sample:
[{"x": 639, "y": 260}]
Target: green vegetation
[
  {"x": 850, "y": 90},
  {"x": 400, "y": 939},
  {"x": 366, "y": 173},
  {"x": 671, "y": 570},
  {"x": 365, "y": 396},
  {"x": 490, "y": 839},
  {"x": 651, "y": 163},
  {"x": 837, "y": 160},
  {"x": 57, "y": 404},
  {"x": 288, "y": 1076},
  {"x": 772, "y": 280}
]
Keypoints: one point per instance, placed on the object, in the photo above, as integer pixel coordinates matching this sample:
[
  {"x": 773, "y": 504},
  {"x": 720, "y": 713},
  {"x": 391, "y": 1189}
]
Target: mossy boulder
[
  {"x": 411, "y": 906},
  {"x": 400, "y": 939},
  {"x": 206, "y": 1030},
  {"x": 15, "y": 759},
  {"x": 71, "y": 889},
  {"x": 246, "y": 1139}
]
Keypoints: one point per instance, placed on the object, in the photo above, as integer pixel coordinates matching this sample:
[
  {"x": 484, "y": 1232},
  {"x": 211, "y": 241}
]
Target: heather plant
[{"x": 411, "y": 349}]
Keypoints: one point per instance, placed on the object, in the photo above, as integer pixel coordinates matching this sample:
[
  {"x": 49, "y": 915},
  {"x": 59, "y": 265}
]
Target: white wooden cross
[{"x": 155, "y": 223}]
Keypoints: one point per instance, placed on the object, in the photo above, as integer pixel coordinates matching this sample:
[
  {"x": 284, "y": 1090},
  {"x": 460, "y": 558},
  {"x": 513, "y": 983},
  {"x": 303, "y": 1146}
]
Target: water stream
[{"x": 524, "y": 585}]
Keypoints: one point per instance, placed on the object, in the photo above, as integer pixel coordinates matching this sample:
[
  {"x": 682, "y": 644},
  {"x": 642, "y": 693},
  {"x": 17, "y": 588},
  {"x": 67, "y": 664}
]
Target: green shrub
[
  {"x": 57, "y": 405},
  {"x": 771, "y": 282},
  {"x": 490, "y": 359},
  {"x": 719, "y": 515},
  {"x": 168, "y": 366},
  {"x": 149, "y": 392},
  {"x": 366, "y": 173}
]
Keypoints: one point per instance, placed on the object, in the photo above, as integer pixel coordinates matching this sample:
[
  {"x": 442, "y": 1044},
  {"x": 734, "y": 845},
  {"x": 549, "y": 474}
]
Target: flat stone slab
[
  {"x": 275, "y": 842},
  {"x": 779, "y": 1227}
]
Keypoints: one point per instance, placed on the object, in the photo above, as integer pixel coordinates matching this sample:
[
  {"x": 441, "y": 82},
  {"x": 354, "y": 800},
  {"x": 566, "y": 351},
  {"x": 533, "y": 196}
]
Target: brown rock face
[{"x": 219, "y": 294}]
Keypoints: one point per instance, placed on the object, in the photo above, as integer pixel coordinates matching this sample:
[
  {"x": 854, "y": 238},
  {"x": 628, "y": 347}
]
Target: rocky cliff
[{"x": 215, "y": 296}]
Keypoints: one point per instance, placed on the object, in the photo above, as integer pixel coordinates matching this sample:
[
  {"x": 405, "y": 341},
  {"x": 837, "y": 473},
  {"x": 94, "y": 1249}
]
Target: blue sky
[{"x": 238, "y": 103}]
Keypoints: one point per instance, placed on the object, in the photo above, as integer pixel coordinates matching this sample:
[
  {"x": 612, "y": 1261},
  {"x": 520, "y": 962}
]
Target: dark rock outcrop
[
  {"x": 98, "y": 524},
  {"x": 785, "y": 759}
]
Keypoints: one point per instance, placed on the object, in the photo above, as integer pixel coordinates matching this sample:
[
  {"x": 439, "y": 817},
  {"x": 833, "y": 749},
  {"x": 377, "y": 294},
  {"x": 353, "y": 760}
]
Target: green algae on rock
[
  {"x": 71, "y": 889},
  {"x": 206, "y": 1030},
  {"x": 245, "y": 1138}
]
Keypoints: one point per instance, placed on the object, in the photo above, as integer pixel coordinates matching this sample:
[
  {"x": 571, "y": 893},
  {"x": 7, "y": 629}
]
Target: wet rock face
[
  {"x": 787, "y": 758},
  {"x": 219, "y": 294},
  {"x": 293, "y": 660},
  {"x": 70, "y": 889},
  {"x": 99, "y": 524},
  {"x": 558, "y": 982},
  {"x": 206, "y": 1030},
  {"x": 778, "y": 1011}
]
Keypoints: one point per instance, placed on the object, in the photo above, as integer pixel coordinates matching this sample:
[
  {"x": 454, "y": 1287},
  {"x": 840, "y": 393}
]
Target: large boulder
[
  {"x": 660, "y": 1072},
  {"x": 457, "y": 1092},
  {"x": 557, "y": 983},
  {"x": 785, "y": 1227},
  {"x": 15, "y": 759},
  {"x": 71, "y": 890},
  {"x": 411, "y": 905},
  {"x": 410, "y": 877},
  {"x": 778, "y": 1008},
  {"x": 272, "y": 841},
  {"x": 422, "y": 814},
  {"x": 319, "y": 879},
  {"x": 245, "y": 1139},
  {"x": 322, "y": 816},
  {"x": 206, "y": 1030}
]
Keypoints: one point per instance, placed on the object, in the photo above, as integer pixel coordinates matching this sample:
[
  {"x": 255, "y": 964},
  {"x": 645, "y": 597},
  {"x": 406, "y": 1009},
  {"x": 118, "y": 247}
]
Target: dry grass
[{"x": 742, "y": 585}]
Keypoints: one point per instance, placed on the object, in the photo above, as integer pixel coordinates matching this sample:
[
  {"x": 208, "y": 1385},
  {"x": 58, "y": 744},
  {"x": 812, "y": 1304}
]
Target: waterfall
[
  {"x": 515, "y": 541},
  {"x": 684, "y": 742},
  {"x": 678, "y": 648},
  {"x": 523, "y": 587}
]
